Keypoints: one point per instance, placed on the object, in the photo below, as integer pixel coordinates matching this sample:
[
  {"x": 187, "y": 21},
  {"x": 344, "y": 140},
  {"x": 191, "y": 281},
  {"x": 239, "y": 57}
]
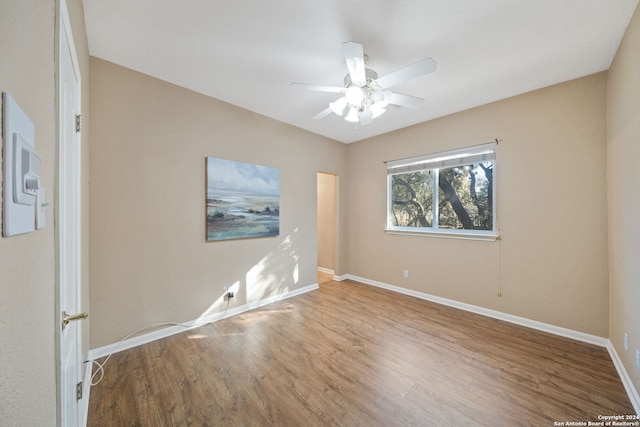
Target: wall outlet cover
[{"x": 18, "y": 134}]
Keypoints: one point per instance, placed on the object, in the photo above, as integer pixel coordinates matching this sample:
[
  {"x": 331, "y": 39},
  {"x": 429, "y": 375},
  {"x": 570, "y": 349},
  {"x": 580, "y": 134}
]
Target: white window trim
[
  {"x": 440, "y": 160},
  {"x": 450, "y": 234}
]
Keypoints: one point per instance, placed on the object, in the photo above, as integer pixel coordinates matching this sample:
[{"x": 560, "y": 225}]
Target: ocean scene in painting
[{"x": 243, "y": 200}]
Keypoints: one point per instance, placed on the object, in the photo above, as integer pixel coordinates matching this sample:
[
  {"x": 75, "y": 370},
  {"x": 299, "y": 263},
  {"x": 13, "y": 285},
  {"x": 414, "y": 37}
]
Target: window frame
[{"x": 435, "y": 162}]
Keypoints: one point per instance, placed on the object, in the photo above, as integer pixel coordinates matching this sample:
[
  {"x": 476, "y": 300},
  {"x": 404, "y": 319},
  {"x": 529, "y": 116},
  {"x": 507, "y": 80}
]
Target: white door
[{"x": 68, "y": 224}]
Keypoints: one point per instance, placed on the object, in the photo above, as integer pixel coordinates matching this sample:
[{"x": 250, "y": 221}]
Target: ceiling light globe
[
  {"x": 352, "y": 116},
  {"x": 354, "y": 95},
  {"x": 338, "y": 106},
  {"x": 381, "y": 97}
]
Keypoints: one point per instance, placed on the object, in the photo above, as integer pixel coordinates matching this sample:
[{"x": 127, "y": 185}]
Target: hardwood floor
[
  {"x": 324, "y": 277},
  {"x": 353, "y": 355}
]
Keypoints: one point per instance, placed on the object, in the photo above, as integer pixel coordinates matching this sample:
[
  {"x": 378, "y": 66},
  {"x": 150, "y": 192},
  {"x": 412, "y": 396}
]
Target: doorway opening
[{"x": 327, "y": 206}]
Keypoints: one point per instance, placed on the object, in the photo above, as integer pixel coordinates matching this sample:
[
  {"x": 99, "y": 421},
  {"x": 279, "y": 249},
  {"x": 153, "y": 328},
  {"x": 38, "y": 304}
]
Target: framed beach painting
[{"x": 243, "y": 200}]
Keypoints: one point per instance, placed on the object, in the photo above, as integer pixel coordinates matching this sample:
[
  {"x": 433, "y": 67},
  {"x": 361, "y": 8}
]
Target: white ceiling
[{"x": 246, "y": 52}]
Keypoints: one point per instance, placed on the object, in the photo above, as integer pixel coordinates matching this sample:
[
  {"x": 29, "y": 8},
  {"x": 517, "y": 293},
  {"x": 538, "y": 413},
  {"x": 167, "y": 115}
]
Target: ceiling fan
[{"x": 366, "y": 96}]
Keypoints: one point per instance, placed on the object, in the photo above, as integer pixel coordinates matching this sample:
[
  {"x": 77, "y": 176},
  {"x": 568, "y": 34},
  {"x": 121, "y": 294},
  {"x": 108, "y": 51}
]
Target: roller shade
[{"x": 465, "y": 156}]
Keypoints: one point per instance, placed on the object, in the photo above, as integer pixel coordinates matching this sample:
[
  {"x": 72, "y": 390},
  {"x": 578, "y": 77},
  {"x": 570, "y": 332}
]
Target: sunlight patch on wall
[
  {"x": 276, "y": 273},
  {"x": 221, "y": 304}
]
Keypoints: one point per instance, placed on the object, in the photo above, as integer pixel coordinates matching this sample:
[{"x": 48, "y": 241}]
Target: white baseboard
[
  {"x": 176, "y": 328},
  {"x": 534, "y": 324},
  {"x": 545, "y": 327},
  {"x": 541, "y": 326},
  {"x": 625, "y": 378},
  {"x": 326, "y": 270}
]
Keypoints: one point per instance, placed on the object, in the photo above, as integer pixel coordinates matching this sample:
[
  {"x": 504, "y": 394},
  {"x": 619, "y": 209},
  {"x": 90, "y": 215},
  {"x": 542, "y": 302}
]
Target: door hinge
[
  {"x": 78, "y": 122},
  {"x": 79, "y": 390}
]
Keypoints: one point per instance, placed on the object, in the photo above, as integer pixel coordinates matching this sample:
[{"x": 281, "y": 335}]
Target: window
[{"x": 449, "y": 194}]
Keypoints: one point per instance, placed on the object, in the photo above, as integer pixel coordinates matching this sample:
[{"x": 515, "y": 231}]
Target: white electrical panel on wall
[{"x": 23, "y": 195}]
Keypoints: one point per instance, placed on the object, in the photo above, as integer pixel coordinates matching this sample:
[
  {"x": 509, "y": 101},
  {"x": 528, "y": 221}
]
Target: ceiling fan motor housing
[
  {"x": 369, "y": 99},
  {"x": 368, "y": 72}
]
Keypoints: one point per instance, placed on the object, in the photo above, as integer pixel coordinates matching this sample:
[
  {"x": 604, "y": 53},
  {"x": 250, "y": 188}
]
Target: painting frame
[{"x": 242, "y": 200}]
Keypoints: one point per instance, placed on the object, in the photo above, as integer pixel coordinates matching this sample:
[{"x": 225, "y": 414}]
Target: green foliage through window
[{"x": 463, "y": 200}]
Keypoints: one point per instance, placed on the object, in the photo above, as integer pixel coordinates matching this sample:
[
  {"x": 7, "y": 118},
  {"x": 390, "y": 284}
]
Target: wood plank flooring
[{"x": 353, "y": 355}]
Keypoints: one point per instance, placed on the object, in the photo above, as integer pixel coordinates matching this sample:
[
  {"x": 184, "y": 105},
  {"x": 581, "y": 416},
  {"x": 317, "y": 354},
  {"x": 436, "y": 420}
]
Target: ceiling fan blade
[
  {"x": 420, "y": 68},
  {"x": 322, "y": 114},
  {"x": 317, "y": 88},
  {"x": 405, "y": 100},
  {"x": 354, "y": 57}
]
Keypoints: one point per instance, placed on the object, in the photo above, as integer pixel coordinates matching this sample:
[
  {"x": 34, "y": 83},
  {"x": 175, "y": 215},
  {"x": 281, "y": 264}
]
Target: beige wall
[
  {"x": 27, "y": 262},
  {"x": 623, "y": 154},
  {"x": 327, "y": 190},
  {"x": 150, "y": 260},
  {"x": 551, "y": 263},
  {"x": 148, "y": 249}
]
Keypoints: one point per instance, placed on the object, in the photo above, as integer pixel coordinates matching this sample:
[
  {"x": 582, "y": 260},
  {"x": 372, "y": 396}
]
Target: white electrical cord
[
  {"x": 101, "y": 365},
  {"x": 137, "y": 331}
]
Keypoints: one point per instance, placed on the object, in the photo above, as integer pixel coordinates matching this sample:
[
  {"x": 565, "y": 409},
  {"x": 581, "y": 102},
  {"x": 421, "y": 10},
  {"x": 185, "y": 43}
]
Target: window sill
[{"x": 445, "y": 235}]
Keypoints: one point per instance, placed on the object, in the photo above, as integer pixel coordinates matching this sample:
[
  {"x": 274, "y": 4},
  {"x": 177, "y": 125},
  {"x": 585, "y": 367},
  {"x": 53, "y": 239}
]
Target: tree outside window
[{"x": 464, "y": 200}]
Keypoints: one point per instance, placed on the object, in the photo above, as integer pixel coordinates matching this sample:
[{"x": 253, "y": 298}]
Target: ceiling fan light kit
[{"x": 365, "y": 96}]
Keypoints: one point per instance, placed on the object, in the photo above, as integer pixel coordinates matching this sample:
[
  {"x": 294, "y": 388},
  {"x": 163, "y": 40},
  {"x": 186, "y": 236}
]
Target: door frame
[
  {"x": 336, "y": 218},
  {"x": 64, "y": 41}
]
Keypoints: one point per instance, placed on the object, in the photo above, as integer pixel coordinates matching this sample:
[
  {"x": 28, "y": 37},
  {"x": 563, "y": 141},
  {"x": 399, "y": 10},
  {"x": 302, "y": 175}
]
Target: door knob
[{"x": 66, "y": 318}]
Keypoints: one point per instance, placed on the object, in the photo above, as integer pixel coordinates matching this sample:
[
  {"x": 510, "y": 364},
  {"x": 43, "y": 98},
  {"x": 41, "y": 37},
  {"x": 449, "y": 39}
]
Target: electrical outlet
[
  {"x": 626, "y": 341},
  {"x": 228, "y": 294},
  {"x": 637, "y": 359},
  {"x": 406, "y": 274}
]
